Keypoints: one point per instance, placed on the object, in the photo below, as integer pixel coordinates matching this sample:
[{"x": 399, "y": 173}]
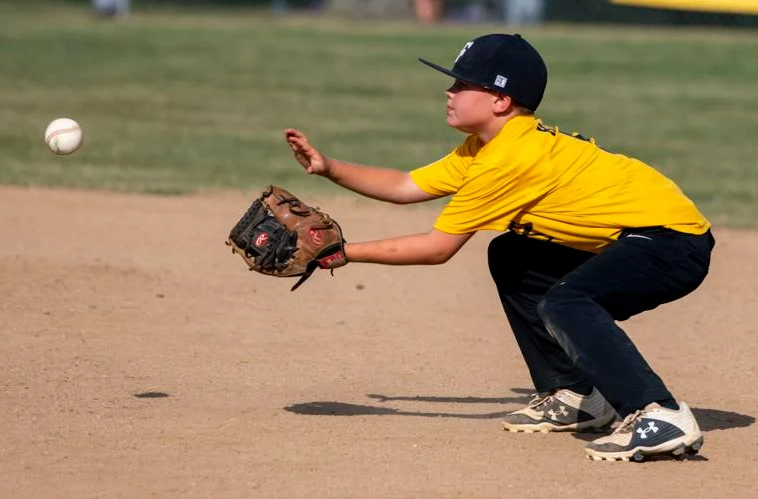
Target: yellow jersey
[{"x": 536, "y": 180}]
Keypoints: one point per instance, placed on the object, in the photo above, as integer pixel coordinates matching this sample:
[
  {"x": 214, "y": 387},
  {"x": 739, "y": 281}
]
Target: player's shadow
[
  {"x": 331, "y": 408},
  {"x": 708, "y": 419},
  {"x": 714, "y": 419}
]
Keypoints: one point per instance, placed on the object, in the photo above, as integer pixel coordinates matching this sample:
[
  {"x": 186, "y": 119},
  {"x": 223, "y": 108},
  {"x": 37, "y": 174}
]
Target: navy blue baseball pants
[{"x": 563, "y": 304}]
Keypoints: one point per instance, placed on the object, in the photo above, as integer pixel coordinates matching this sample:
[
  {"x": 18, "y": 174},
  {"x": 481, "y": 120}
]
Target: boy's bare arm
[
  {"x": 384, "y": 184},
  {"x": 432, "y": 248}
]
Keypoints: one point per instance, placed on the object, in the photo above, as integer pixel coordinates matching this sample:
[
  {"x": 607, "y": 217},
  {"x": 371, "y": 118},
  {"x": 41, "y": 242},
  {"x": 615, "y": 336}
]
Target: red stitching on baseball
[{"x": 58, "y": 132}]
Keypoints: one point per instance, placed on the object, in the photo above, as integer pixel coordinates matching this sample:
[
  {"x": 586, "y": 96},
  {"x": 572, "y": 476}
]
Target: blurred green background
[{"x": 175, "y": 101}]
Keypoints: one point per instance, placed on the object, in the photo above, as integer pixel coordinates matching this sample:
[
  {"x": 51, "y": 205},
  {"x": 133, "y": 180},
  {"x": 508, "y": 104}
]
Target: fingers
[
  {"x": 303, "y": 150},
  {"x": 292, "y": 133},
  {"x": 297, "y": 142},
  {"x": 295, "y": 138}
]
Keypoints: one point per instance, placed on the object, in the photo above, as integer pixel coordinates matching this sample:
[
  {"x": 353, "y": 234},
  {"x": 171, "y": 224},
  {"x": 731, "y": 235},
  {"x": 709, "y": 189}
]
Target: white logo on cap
[
  {"x": 500, "y": 81},
  {"x": 463, "y": 51}
]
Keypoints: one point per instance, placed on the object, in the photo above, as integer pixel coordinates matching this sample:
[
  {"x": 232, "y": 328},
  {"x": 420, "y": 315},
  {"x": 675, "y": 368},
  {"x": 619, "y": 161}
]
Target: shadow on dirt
[
  {"x": 714, "y": 419},
  {"x": 455, "y": 400},
  {"x": 151, "y": 395},
  {"x": 344, "y": 409},
  {"x": 708, "y": 419}
]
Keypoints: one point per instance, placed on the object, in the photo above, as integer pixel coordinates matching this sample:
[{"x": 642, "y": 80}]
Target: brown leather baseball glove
[{"x": 279, "y": 235}]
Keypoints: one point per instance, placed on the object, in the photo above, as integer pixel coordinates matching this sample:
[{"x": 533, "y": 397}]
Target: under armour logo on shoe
[
  {"x": 561, "y": 412},
  {"x": 644, "y": 431}
]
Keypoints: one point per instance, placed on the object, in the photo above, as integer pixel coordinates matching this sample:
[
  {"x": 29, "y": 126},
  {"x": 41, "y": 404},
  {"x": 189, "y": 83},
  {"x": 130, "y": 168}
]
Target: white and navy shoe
[
  {"x": 651, "y": 431},
  {"x": 563, "y": 410}
]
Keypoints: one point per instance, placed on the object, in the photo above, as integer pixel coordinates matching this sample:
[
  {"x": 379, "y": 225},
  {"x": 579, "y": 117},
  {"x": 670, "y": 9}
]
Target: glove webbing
[
  {"x": 270, "y": 256},
  {"x": 255, "y": 221},
  {"x": 252, "y": 218}
]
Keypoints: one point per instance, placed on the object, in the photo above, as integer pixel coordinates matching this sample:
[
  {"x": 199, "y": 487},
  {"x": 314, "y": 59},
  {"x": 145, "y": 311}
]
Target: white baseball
[{"x": 63, "y": 136}]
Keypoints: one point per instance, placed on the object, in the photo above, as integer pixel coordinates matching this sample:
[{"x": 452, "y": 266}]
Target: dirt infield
[{"x": 140, "y": 359}]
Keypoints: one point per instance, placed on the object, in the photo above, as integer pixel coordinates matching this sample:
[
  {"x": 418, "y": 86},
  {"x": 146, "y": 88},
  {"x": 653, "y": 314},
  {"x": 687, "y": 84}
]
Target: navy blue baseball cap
[{"x": 504, "y": 63}]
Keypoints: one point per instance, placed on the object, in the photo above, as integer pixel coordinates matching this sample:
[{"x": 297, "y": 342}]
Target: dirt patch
[{"x": 140, "y": 359}]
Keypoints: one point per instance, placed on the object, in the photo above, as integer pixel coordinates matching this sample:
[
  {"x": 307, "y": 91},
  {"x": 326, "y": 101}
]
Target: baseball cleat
[
  {"x": 563, "y": 410},
  {"x": 652, "y": 431}
]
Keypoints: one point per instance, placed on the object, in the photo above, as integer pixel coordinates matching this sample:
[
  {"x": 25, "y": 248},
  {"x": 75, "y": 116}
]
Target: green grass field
[{"x": 179, "y": 102}]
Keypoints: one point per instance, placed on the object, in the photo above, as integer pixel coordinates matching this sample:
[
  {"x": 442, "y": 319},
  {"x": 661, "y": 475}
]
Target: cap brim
[{"x": 442, "y": 69}]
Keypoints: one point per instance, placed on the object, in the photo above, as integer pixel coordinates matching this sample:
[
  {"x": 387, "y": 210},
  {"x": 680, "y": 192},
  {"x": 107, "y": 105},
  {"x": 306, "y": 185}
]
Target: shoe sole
[
  {"x": 594, "y": 425},
  {"x": 677, "y": 449}
]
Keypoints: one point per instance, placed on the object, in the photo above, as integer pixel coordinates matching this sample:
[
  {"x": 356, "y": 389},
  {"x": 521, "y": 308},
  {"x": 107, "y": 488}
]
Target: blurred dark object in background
[
  {"x": 373, "y": 9},
  {"x": 523, "y": 12},
  {"x": 283, "y": 6},
  {"x": 111, "y": 8}
]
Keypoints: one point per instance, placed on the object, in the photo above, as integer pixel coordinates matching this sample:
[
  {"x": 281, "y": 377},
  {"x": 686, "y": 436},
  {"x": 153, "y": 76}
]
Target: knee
[
  {"x": 556, "y": 303},
  {"x": 545, "y": 309}
]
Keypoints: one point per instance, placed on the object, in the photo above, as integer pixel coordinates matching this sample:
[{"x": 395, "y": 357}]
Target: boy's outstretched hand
[{"x": 312, "y": 160}]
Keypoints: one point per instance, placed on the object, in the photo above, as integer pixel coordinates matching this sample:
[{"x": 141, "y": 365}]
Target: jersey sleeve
[
  {"x": 492, "y": 195},
  {"x": 446, "y": 175}
]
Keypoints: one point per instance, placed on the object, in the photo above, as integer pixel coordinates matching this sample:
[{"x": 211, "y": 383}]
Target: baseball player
[{"x": 588, "y": 238}]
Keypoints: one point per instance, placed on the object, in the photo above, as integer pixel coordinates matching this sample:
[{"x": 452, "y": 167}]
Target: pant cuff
[{"x": 550, "y": 384}]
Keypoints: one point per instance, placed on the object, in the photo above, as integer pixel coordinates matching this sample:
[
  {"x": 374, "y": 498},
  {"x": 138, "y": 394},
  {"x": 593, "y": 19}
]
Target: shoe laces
[
  {"x": 540, "y": 399},
  {"x": 629, "y": 421}
]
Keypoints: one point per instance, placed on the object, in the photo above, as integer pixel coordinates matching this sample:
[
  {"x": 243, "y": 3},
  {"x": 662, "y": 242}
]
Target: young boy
[{"x": 589, "y": 238}]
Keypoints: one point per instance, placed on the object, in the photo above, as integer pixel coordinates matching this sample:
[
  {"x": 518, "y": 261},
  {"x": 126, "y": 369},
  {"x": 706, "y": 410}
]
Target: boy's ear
[{"x": 502, "y": 103}]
